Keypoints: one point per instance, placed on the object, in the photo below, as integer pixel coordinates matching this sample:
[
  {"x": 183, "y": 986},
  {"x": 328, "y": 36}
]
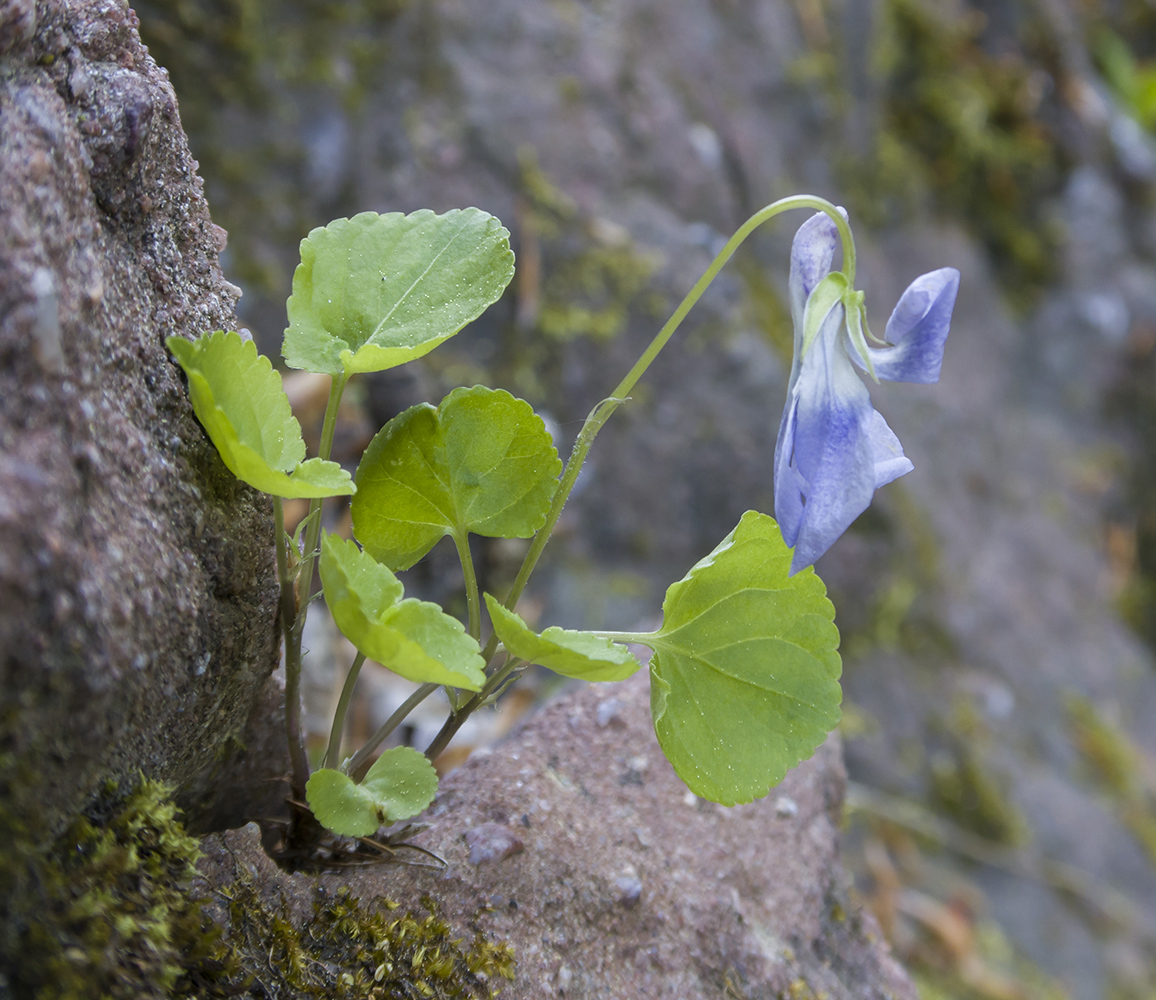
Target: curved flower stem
[
  {"x": 298, "y": 762},
  {"x": 333, "y": 752},
  {"x": 601, "y": 413},
  {"x": 359, "y": 762}
]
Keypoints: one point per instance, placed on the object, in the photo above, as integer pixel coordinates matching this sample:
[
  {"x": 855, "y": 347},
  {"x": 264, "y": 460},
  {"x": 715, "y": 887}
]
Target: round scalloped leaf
[
  {"x": 745, "y": 673},
  {"x": 415, "y": 639},
  {"x": 583, "y": 655},
  {"x": 376, "y": 291},
  {"x": 402, "y": 782},
  {"x": 241, "y": 404},
  {"x": 482, "y": 461},
  {"x": 347, "y": 809}
]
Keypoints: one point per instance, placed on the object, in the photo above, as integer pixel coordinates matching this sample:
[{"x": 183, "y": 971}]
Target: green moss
[
  {"x": 963, "y": 786},
  {"x": 585, "y": 274},
  {"x": 265, "y": 59},
  {"x": 352, "y": 952},
  {"x": 105, "y": 910},
  {"x": 964, "y": 131},
  {"x": 114, "y": 909},
  {"x": 1118, "y": 767}
]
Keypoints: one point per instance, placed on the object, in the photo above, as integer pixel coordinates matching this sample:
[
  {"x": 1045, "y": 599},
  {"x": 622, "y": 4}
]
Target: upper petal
[
  {"x": 811, "y": 253},
  {"x": 918, "y": 329}
]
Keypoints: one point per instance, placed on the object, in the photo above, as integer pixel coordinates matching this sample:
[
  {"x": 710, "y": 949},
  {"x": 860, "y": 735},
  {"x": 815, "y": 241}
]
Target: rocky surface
[
  {"x": 137, "y": 591},
  {"x": 575, "y": 842}
]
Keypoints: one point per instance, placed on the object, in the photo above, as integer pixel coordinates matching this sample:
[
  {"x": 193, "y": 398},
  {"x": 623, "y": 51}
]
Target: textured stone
[
  {"x": 626, "y": 887},
  {"x": 137, "y": 589}
]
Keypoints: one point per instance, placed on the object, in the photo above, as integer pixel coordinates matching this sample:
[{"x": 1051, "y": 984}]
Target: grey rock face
[
  {"x": 626, "y": 885},
  {"x": 137, "y": 591}
]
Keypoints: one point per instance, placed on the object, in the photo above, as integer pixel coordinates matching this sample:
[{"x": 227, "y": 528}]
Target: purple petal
[
  {"x": 825, "y": 462},
  {"x": 811, "y": 254},
  {"x": 918, "y": 329},
  {"x": 890, "y": 462}
]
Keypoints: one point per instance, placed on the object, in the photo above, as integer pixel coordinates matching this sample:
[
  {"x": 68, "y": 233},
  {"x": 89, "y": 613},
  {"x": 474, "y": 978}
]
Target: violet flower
[{"x": 834, "y": 450}]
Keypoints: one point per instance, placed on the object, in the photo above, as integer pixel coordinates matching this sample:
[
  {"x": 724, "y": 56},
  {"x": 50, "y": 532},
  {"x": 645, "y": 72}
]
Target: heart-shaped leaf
[
  {"x": 414, "y": 639},
  {"x": 347, "y": 809},
  {"x": 583, "y": 655},
  {"x": 403, "y": 782},
  {"x": 482, "y": 461},
  {"x": 400, "y": 784},
  {"x": 376, "y": 291},
  {"x": 239, "y": 400},
  {"x": 745, "y": 673}
]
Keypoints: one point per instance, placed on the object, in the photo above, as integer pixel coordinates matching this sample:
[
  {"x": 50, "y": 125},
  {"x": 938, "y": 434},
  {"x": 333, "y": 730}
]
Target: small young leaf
[
  {"x": 482, "y": 461},
  {"x": 402, "y": 782},
  {"x": 583, "y": 655},
  {"x": 376, "y": 291},
  {"x": 745, "y": 674},
  {"x": 414, "y": 639},
  {"x": 347, "y": 809},
  {"x": 240, "y": 402}
]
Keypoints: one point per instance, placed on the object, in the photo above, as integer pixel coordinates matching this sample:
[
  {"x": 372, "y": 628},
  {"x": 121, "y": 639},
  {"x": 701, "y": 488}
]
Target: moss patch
[
  {"x": 963, "y": 786},
  {"x": 1119, "y": 767},
  {"x": 961, "y": 130},
  {"x": 104, "y": 910},
  {"x": 584, "y": 274},
  {"x": 114, "y": 908},
  {"x": 349, "y": 952}
]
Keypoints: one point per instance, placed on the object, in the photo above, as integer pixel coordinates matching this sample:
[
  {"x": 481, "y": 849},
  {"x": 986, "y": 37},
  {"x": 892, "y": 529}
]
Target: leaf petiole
[
  {"x": 473, "y": 601},
  {"x": 333, "y": 752}
]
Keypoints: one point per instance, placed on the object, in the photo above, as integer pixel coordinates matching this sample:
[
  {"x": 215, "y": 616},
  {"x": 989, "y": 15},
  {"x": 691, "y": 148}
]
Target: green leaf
[
  {"x": 482, "y": 461},
  {"x": 240, "y": 402},
  {"x": 583, "y": 655},
  {"x": 414, "y": 639},
  {"x": 347, "y": 809},
  {"x": 400, "y": 784},
  {"x": 376, "y": 291},
  {"x": 745, "y": 674},
  {"x": 403, "y": 782}
]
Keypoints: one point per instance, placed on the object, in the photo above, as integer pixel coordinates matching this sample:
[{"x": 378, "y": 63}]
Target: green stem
[
  {"x": 295, "y": 601},
  {"x": 639, "y": 638},
  {"x": 334, "y": 750},
  {"x": 359, "y": 762},
  {"x": 457, "y": 720},
  {"x": 473, "y": 602},
  {"x": 313, "y": 532},
  {"x": 602, "y": 412},
  {"x": 298, "y": 762}
]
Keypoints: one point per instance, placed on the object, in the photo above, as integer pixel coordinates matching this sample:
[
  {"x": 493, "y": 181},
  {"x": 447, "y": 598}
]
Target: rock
[
  {"x": 623, "y": 889},
  {"x": 137, "y": 587}
]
